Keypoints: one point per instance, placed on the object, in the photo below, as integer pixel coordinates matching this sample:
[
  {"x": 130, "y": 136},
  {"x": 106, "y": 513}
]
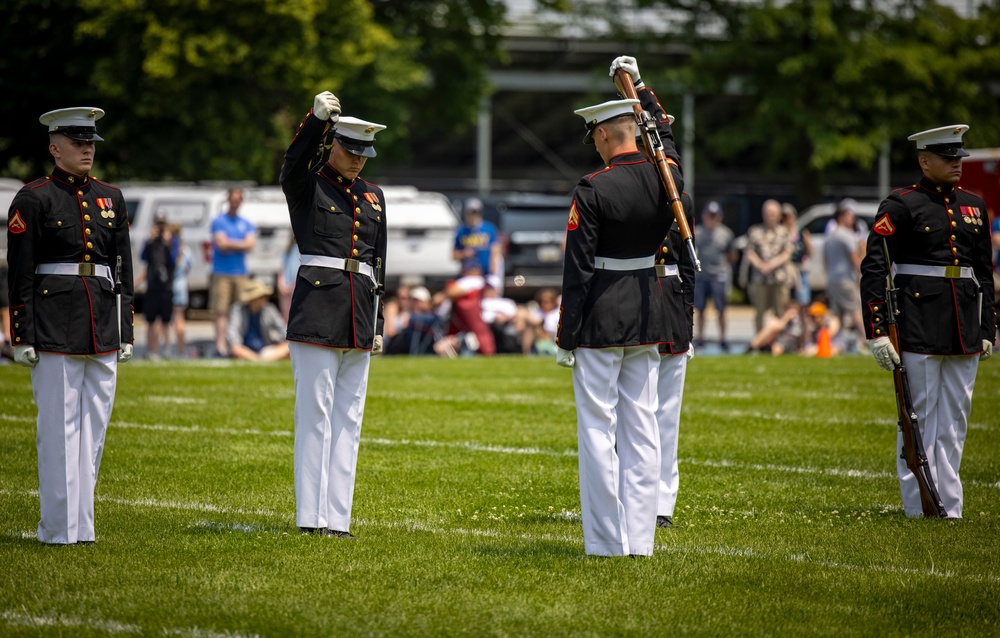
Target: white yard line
[
  {"x": 528, "y": 451},
  {"x": 18, "y": 619}
]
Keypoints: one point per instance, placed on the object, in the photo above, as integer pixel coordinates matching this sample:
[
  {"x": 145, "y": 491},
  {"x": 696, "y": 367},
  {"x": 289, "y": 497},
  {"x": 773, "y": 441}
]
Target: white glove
[
  {"x": 326, "y": 106},
  {"x": 690, "y": 352},
  {"x": 25, "y": 355},
  {"x": 987, "y": 350},
  {"x": 125, "y": 353},
  {"x": 884, "y": 353},
  {"x": 377, "y": 345},
  {"x": 565, "y": 358},
  {"x": 627, "y": 64}
]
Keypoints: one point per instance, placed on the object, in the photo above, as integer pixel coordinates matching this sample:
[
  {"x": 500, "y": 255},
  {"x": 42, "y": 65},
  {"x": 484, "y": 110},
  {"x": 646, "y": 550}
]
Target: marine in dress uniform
[
  {"x": 335, "y": 318},
  {"x": 938, "y": 242},
  {"x": 612, "y": 318},
  {"x": 65, "y": 235},
  {"x": 676, "y": 271}
]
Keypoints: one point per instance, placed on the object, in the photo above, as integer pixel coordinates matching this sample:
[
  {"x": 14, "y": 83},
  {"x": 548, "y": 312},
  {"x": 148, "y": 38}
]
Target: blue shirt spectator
[
  {"x": 477, "y": 239},
  {"x": 231, "y": 262}
]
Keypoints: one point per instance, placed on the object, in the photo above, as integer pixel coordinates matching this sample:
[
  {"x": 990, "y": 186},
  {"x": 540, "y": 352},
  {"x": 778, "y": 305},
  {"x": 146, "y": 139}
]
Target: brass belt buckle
[
  {"x": 352, "y": 265},
  {"x": 86, "y": 270},
  {"x": 661, "y": 270},
  {"x": 953, "y": 272}
]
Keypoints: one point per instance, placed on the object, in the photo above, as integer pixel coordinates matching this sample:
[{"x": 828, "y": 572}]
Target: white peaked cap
[
  {"x": 944, "y": 140},
  {"x": 594, "y": 115}
]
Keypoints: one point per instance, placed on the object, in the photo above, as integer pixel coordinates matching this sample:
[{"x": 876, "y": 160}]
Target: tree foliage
[
  {"x": 206, "y": 89},
  {"x": 811, "y": 85}
]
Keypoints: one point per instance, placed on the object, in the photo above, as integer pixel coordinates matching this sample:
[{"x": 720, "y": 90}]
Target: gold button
[
  {"x": 317, "y": 282},
  {"x": 333, "y": 208},
  {"x": 927, "y": 228},
  {"x": 954, "y": 223},
  {"x": 877, "y": 320},
  {"x": 45, "y": 292},
  {"x": 86, "y": 257},
  {"x": 17, "y": 339},
  {"x": 878, "y": 332},
  {"x": 955, "y": 263},
  {"x": 663, "y": 261},
  {"x": 87, "y": 231},
  {"x": 945, "y": 200},
  {"x": 664, "y": 249},
  {"x": 90, "y": 245},
  {"x": 84, "y": 204},
  {"x": 357, "y": 210},
  {"x": 58, "y": 223},
  {"x": 79, "y": 192},
  {"x": 355, "y": 198},
  {"x": 355, "y": 238},
  {"x": 953, "y": 238},
  {"x": 71, "y": 180},
  {"x": 15, "y": 313},
  {"x": 954, "y": 250},
  {"x": 875, "y": 308},
  {"x": 86, "y": 218},
  {"x": 111, "y": 223},
  {"x": 357, "y": 224},
  {"x": 939, "y": 189},
  {"x": 340, "y": 179},
  {"x": 355, "y": 251},
  {"x": 17, "y": 325},
  {"x": 379, "y": 218},
  {"x": 916, "y": 294}
]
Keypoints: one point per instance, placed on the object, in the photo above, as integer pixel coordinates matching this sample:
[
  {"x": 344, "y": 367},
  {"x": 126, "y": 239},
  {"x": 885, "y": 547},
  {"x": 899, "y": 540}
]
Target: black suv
[{"x": 533, "y": 228}]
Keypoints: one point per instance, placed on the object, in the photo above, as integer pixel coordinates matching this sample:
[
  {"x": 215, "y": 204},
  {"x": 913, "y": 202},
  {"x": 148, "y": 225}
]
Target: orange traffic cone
[{"x": 823, "y": 348}]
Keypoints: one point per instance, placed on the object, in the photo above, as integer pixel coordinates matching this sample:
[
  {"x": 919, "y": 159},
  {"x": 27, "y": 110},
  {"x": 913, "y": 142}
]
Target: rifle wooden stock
[
  {"x": 913, "y": 442},
  {"x": 655, "y": 150}
]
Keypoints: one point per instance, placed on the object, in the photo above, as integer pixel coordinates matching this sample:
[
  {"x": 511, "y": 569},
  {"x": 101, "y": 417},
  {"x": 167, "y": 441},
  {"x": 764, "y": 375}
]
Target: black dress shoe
[
  {"x": 339, "y": 534},
  {"x": 664, "y": 521},
  {"x": 312, "y": 530},
  {"x": 87, "y": 543}
]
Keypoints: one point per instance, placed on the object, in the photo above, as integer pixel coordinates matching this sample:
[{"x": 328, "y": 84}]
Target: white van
[
  {"x": 266, "y": 207},
  {"x": 421, "y": 229},
  {"x": 193, "y": 207},
  {"x": 421, "y": 236}
]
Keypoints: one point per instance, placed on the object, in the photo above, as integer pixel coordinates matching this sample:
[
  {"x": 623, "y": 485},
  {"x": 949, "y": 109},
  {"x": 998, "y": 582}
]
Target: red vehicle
[{"x": 981, "y": 175}]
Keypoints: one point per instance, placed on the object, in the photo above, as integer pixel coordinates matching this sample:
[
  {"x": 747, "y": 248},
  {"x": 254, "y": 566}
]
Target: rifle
[
  {"x": 654, "y": 146},
  {"x": 323, "y": 148},
  {"x": 379, "y": 291},
  {"x": 118, "y": 297},
  {"x": 913, "y": 448}
]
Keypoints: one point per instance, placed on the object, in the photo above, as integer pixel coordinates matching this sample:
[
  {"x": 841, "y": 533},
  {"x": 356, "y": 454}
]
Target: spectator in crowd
[
  {"x": 158, "y": 306},
  {"x": 422, "y": 327},
  {"x": 256, "y": 329},
  {"x": 6, "y": 350},
  {"x": 801, "y": 252},
  {"x": 287, "y": 276},
  {"x": 183, "y": 261},
  {"x": 769, "y": 249},
  {"x": 478, "y": 239},
  {"x": 504, "y": 317},
  {"x": 232, "y": 238},
  {"x": 543, "y": 322},
  {"x": 860, "y": 227},
  {"x": 995, "y": 233},
  {"x": 396, "y": 311},
  {"x": 715, "y": 250},
  {"x": 465, "y": 295},
  {"x": 797, "y": 331},
  {"x": 842, "y": 255}
]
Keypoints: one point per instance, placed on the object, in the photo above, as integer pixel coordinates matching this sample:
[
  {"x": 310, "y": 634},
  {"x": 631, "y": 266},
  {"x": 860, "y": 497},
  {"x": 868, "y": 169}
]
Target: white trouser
[
  {"x": 669, "y": 392},
  {"x": 74, "y": 395},
  {"x": 941, "y": 389},
  {"x": 330, "y": 388},
  {"x": 619, "y": 448}
]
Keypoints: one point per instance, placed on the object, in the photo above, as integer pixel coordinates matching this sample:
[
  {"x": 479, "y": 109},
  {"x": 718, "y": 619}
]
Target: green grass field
[{"x": 467, "y": 512}]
